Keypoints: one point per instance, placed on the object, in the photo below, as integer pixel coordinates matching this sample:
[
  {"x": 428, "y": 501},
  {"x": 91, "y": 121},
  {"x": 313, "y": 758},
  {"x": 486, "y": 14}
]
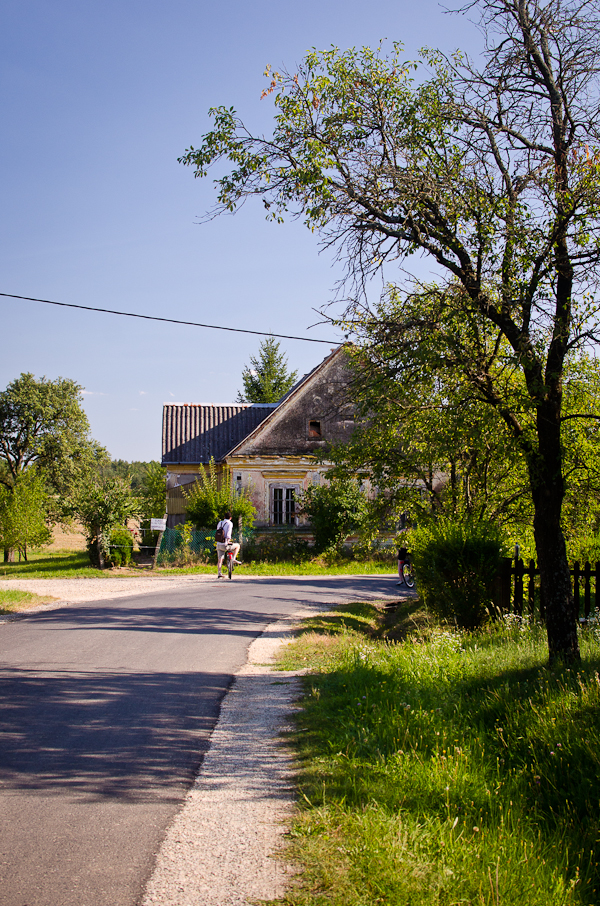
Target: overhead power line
[{"x": 131, "y": 314}]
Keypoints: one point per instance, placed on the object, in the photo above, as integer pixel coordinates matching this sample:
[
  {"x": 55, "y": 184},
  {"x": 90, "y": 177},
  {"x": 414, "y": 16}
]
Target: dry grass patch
[{"x": 13, "y": 600}]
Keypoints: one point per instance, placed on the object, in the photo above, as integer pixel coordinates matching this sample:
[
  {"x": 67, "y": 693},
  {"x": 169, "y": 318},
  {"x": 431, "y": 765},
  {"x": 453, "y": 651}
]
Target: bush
[
  {"x": 278, "y": 547},
  {"x": 120, "y": 546},
  {"x": 335, "y": 511},
  {"x": 209, "y": 498},
  {"x": 456, "y": 565}
]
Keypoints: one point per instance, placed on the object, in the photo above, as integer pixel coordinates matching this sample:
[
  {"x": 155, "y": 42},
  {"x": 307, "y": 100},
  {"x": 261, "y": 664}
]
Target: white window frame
[{"x": 284, "y": 487}]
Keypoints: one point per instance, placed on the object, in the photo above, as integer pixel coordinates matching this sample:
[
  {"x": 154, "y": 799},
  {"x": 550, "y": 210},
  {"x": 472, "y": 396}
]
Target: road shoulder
[{"x": 221, "y": 849}]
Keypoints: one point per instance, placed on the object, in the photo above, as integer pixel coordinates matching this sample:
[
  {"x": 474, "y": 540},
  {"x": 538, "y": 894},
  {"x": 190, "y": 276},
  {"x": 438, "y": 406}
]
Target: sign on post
[{"x": 158, "y": 525}]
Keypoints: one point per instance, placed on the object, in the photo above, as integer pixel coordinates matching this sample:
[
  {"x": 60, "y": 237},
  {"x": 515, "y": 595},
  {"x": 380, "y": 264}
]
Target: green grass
[
  {"x": 345, "y": 568},
  {"x": 75, "y": 564},
  {"x": 446, "y": 769},
  {"x": 13, "y": 600},
  {"x": 55, "y": 565}
]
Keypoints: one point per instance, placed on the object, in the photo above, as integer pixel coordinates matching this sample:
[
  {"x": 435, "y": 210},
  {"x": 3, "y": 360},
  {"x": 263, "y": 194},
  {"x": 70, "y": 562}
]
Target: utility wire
[{"x": 130, "y": 314}]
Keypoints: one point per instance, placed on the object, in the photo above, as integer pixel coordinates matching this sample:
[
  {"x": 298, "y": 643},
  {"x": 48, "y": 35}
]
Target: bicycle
[
  {"x": 408, "y": 574},
  {"x": 230, "y": 557}
]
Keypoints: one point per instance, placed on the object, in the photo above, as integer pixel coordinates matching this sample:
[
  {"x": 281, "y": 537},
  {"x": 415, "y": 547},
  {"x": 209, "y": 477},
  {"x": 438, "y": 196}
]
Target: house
[{"x": 270, "y": 449}]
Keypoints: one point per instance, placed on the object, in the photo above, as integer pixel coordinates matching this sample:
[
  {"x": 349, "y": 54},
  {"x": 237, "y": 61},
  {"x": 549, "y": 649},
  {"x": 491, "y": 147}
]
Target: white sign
[{"x": 158, "y": 525}]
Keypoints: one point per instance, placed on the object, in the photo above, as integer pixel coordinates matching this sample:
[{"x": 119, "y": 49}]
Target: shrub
[
  {"x": 101, "y": 505},
  {"x": 120, "y": 546},
  {"x": 278, "y": 547},
  {"x": 335, "y": 511},
  {"x": 456, "y": 565},
  {"x": 213, "y": 495}
]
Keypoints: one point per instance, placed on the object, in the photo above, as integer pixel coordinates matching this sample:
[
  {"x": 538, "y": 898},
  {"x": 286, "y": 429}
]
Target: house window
[
  {"x": 314, "y": 428},
  {"x": 283, "y": 507}
]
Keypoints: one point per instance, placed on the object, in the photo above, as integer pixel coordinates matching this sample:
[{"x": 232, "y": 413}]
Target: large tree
[
  {"x": 267, "y": 378},
  {"x": 492, "y": 171},
  {"x": 42, "y": 423},
  {"x": 43, "y": 427}
]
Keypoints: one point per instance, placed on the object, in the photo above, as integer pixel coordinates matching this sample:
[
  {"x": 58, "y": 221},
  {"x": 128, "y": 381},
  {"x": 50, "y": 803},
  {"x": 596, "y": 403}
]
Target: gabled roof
[
  {"x": 287, "y": 401},
  {"x": 197, "y": 432}
]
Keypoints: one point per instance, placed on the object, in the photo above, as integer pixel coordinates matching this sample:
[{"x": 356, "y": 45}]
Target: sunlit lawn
[
  {"x": 75, "y": 564},
  {"x": 445, "y": 768}
]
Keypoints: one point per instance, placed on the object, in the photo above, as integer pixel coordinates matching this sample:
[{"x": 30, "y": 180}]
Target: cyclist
[
  {"x": 402, "y": 554},
  {"x": 227, "y": 544}
]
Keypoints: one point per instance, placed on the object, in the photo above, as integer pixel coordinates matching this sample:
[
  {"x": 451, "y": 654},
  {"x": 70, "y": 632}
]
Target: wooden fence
[{"x": 519, "y": 589}]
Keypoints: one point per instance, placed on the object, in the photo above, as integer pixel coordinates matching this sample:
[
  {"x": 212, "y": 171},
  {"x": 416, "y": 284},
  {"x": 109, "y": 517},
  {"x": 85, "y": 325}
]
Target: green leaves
[
  {"x": 335, "y": 511},
  {"x": 267, "y": 379},
  {"x": 213, "y": 494}
]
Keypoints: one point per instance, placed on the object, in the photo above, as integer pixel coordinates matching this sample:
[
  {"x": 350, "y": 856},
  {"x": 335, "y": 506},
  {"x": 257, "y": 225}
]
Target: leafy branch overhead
[{"x": 490, "y": 169}]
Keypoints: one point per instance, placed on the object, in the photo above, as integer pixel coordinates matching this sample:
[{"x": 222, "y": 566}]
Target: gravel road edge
[{"x": 221, "y": 849}]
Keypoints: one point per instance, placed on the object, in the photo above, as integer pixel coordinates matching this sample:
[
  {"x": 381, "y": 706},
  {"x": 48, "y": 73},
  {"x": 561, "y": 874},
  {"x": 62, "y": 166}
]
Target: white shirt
[{"x": 227, "y": 526}]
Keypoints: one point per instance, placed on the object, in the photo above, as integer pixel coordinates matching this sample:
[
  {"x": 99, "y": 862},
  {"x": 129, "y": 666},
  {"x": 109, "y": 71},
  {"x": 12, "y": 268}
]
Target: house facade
[{"x": 271, "y": 449}]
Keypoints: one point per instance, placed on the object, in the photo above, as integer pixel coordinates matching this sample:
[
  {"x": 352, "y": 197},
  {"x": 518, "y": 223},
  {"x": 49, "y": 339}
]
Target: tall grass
[{"x": 447, "y": 769}]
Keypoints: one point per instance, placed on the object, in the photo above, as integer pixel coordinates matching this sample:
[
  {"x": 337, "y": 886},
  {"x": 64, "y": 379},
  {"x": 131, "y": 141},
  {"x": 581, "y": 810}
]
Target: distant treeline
[{"x": 135, "y": 471}]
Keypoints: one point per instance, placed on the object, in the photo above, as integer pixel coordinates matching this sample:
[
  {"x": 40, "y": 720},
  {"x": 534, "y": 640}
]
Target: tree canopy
[
  {"x": 490, "y": 170},
  {"x": 267, "y": 378},
  {"x": 42, "y": 423}
]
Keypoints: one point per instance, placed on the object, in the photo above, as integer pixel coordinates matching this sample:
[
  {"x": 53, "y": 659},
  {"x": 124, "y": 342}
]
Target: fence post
[
  {"x": 157, "y": 550},
  {"x": 587, "y": 573},
  {"x": 531, "y": 588},
  {"x": 518, "y": 597},
  {"x": 502, "y": 590},
  {"x": 576, "y": 573}
]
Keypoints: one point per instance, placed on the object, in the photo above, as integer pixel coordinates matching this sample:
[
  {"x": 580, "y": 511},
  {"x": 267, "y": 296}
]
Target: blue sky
[{"x": 98, "y": 101}]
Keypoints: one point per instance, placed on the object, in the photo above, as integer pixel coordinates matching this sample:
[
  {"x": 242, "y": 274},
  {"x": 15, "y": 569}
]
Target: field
[{"x": 443, "y": 768}]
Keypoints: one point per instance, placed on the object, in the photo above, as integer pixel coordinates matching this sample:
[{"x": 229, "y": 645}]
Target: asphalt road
[{"x": 105, "y": 713}]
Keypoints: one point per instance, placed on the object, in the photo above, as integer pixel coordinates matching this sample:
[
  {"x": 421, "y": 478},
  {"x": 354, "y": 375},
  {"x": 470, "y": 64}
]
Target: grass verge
[
  {"x": 52, "y": 565},
  {"x": 444, "y": 769},
  {"x": 76, "y": 564},
  {"x": 310, "y": 568},
  {"x": 14, "y": 600}
]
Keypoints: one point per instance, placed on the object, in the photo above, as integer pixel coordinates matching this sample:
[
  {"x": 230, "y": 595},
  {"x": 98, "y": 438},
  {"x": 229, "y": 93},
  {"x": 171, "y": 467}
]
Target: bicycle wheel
[
  {"x": 408, "y": 574},
  {"x": 230, "y": 565}
]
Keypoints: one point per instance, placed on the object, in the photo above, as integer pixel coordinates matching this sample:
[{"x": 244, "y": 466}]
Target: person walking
[{"x": 225, "y": 543}]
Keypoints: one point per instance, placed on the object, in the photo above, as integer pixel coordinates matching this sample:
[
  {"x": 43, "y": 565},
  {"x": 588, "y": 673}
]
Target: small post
[
  {"x": 587, "y": 588},
  {"x": 576, "y": 574},
  {"x": 519, "y": 571},
  {"x": 531, "y": 588}
]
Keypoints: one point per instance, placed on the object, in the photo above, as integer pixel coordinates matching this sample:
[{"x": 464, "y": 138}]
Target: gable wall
[{"x": 325, "y": 399}]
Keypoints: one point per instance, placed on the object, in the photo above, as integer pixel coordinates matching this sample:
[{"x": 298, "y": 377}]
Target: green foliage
[
  {"x": 335, "y": 510},
  {"x": 24, "y": 513},
  {"x": 153, "y": 491},
  {"x": 452, "y": 768},
  {"x": 281, "y": 546},
  {"x": 267, "y": 379},
  {"x": 213, "y": 495},
  {"x": 484, "y": 169},
  {"x": 42, "y": 423},
  {"x": 135, "y": 472},
  {"x": 456, "y": 565},
  {"x": 120, "y": 546},
  {"x": 100, "y": 506}
]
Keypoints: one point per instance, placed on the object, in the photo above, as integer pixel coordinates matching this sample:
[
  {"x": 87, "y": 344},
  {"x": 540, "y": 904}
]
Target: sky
[{"x": 99, "y": 98}]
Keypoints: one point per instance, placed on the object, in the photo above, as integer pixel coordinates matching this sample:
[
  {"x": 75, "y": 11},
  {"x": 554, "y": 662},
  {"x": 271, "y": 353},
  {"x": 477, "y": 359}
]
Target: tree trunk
[
  {"x": 9, "y": 555},
  {"x": 547, "y": 486}
]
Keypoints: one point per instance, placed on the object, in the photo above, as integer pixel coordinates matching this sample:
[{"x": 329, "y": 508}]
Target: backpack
[{"x": 220, "y": 534}]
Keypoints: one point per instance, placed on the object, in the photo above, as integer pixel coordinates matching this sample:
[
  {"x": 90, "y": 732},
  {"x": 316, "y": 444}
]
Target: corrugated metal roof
[{"x": 195, "y": 432}]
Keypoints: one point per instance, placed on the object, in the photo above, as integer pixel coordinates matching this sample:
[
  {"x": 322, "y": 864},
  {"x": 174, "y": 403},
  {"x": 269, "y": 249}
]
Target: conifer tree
[{"x": 267, "y": 378}]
